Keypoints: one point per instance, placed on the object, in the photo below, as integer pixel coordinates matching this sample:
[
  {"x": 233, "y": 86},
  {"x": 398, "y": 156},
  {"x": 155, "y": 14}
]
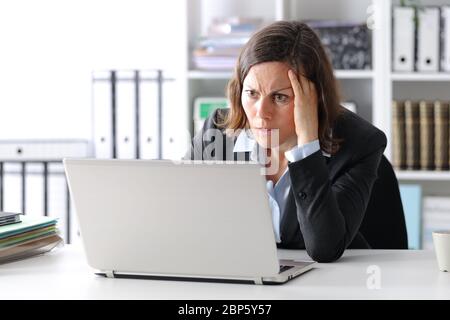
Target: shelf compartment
[
  {"x": 416, "y": 175},
  {"x": 419, "y": 76}
]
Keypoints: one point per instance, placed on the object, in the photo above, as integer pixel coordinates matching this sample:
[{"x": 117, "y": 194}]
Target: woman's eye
[
  {"x": 251, "y": 93},
  {"x": 280, "y": 98}
]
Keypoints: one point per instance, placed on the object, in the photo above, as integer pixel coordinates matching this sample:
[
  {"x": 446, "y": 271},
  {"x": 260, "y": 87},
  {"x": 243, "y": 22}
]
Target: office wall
[{"x": 49, "y": 47}]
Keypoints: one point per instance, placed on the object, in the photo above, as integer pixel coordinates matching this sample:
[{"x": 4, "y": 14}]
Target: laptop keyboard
[{"x": 284, "y": 268}]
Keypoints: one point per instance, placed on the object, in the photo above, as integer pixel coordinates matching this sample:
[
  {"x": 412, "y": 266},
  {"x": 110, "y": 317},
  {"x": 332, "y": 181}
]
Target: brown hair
[{"x": 297, "y": 45}]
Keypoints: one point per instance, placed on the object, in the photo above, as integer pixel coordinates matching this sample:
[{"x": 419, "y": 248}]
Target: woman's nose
[{"x": 264, "y": 108}]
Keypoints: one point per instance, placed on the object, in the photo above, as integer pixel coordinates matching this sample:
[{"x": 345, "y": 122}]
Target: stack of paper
[
  {"x": 32, "y": 236},
  {"x": 219, "y": 49}
]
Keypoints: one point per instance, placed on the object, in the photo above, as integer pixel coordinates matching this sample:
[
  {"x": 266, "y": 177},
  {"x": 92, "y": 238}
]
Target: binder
[
  {"x": 149, "y": 121},
  {"x": 103, "y": 85},
  {"x": 175, "y": 136},
  {"x": 445, "y": 38},
  {"x": 411, "y": 196},
  {"x": 403, "y": 39},
  {"x": 52, "y": 149},
  {"x": 126, "y": 138},
  {"x": 12, "y": 188},
  {"x": 428, "y": 39}
]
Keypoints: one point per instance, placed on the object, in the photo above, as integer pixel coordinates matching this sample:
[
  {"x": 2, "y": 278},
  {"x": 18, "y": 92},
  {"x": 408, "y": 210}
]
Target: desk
[{"x": 64, "y": 274}]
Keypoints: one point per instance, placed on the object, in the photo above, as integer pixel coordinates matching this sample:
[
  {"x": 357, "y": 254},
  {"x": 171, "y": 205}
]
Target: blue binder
[{"x": 411, "y": 195}]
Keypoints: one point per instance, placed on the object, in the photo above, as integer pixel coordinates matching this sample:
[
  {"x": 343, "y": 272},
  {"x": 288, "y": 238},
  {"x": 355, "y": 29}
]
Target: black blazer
[{"x": 328, "y": 195}]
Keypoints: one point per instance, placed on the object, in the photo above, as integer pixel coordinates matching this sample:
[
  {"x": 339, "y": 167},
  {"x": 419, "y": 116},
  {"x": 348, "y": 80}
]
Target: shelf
[
  {"x": 419, "y": 76},
  {"x": 201, "y": 74},
  {"x": 225, "y": 75},
  {"x": 354, "y": 74},
  {"x": 416, "y": 175}
]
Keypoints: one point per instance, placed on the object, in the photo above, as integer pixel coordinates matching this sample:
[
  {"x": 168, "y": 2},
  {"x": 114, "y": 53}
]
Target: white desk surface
[{"x": 64, "y": 274}]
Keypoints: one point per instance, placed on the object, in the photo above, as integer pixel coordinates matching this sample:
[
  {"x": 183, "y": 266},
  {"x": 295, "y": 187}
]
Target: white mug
[{"x": 441, "y": 240}]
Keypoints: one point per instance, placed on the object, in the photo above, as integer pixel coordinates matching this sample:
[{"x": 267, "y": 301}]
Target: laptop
[{"x": 184, "y": 220}]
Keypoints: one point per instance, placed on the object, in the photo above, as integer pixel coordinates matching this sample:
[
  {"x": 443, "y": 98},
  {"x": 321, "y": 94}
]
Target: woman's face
[{"x": 268, "y": 101}]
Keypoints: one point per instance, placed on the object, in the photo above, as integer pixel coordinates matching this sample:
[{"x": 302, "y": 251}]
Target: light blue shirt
[{"x": 278, "y": 193}]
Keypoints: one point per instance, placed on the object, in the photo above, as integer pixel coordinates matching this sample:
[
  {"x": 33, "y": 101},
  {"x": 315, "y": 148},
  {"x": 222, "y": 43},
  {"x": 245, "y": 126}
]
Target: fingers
[
  {"x": 296, "y": 87},
  {"x": 301, "y": 88}
]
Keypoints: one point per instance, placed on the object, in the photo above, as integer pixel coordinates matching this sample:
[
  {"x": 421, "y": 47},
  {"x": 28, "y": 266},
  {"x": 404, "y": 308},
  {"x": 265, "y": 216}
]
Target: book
[
  {"x": 441, "y": 133},
  {"x": 412, "y": 133},
  {"x": 9, "y": 218},
  {"x": 398, "y": 134},
  {"x": 426, "y": 110}
]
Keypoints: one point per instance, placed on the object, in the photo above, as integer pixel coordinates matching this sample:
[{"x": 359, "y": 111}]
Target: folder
[
  {"x": 126, "y": 138},
  {"x": 411, "y": 196},
  {"x": 445, "y": 38},
  {"x": 428, "y": 39},
  {"x": 149, "y": 123},
  {"x": 102, "y": 114},
  {"x": 403, "y": 39}
]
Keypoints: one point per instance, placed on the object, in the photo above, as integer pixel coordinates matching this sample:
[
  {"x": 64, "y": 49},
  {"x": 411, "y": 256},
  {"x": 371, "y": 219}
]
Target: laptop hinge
[
  {"x": 258, "y": 280},
  {"x": 109, "y": 273}
]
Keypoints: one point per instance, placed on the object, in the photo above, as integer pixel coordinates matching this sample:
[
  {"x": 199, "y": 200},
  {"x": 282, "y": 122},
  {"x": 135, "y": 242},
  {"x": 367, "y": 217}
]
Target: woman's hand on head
[{"x": 305, "y": 109}]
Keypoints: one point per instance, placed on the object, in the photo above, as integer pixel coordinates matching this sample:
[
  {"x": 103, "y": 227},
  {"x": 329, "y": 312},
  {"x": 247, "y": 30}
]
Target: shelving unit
[
  {"x": 213, "y": 83},
  {"x": 418, "y": 86},
  {"x": 373, "y": 90}
]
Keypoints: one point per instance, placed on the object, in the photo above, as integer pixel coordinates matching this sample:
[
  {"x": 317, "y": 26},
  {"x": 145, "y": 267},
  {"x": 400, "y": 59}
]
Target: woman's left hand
[{"x": 305, "y": 109}]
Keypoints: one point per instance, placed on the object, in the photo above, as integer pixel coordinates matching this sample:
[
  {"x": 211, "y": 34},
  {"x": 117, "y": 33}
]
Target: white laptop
[{"x": 160, "y": 219}]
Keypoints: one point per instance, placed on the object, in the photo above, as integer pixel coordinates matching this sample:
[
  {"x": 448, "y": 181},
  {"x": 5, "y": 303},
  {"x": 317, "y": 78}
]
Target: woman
[{"x": 322, "y": 160}]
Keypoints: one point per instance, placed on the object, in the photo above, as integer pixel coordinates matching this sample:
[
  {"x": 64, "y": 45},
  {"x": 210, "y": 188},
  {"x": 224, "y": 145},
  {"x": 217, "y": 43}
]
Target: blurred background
[{"x": 135, "y": 79}]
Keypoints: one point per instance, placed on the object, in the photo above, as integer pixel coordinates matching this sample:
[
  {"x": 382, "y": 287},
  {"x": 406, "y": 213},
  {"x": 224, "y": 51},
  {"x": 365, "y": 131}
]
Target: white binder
[
  {"x": 12, "y": 187},
  {"x": 148, "y": 115},
  {"x": 175, "y": 133},
  {"x": 403, "y": 39},
  {"x": 125, "y": 115},
  {"x": 445, "y": 38},
  {"x": 36, "y": 149},
  {"x": 102, "y": 117},
  {"x": 428, "y": 39}
]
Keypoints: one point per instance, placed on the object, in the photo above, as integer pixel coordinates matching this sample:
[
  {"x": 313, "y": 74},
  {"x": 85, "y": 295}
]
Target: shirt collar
[{"x": 246, "y": 143}]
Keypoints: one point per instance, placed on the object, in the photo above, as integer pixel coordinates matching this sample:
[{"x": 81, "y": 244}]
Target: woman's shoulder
[{"x": 356, "y": 131}]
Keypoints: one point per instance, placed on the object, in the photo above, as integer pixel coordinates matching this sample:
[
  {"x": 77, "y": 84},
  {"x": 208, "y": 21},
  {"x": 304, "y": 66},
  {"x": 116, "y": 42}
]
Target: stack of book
[
  {"x": 27, "y": 237},
  {"x": 221, "y": 46},
  {"x": 421, "y": 135}
]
